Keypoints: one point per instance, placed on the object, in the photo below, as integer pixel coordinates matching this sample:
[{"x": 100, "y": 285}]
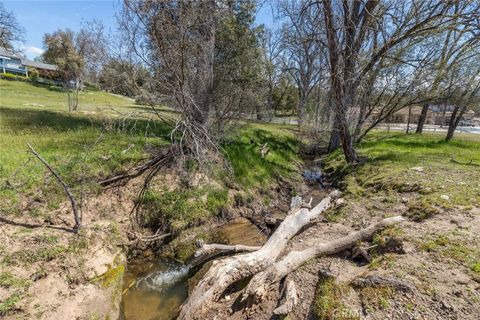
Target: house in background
[
  {"x": 436, "y": 115},
  {"x": 11, "y": 62}
]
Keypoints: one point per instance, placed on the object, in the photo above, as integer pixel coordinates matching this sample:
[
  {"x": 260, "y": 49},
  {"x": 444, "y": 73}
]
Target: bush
[
  {"x": 33, "y": 74},
  {"x": 12, "y": 77}
]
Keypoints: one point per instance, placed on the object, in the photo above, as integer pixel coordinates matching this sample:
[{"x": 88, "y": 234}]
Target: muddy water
[
  {"x": 146, "y": 297},
  {"x": 155, "y": 289}
]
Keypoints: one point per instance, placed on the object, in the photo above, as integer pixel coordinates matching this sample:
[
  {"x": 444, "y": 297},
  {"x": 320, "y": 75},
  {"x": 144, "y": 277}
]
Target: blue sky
[{"x": 39, "y": 17}]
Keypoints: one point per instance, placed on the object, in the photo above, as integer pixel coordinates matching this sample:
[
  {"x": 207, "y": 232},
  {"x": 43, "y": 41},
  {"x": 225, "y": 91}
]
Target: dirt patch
[{"x": 55, "y": 274}]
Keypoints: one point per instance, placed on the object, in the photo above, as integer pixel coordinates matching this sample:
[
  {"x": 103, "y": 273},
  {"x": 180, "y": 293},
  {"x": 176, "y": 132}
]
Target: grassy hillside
[
  {"x": 93, "y": 145},
  {"x": 17, "y": 94}
]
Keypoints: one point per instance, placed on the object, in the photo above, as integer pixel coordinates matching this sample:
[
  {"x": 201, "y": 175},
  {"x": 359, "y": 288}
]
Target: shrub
[
  {"x": 7, "y": 76},
  {"x": 33, "y": 74},
  {"x": 12, "y": 77}
]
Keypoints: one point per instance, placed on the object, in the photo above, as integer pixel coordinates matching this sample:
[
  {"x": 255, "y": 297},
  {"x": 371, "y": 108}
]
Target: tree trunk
[
  {"x": 408, "y": 120},
  {"x": 334, "y": 137},
  {"x": 266, "y": 269},
  {"x": 261, "y": 283},
  {"x": 225, "y": 272},
  {"x": 422, "y": 118},
  {"x": 454, "y": 120}
]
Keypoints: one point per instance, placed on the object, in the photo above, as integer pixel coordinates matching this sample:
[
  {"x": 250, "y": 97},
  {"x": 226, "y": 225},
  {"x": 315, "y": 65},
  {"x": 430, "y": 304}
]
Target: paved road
[
  {"x": 431, "y": 128},
  {"x": 393, "y": 126}
]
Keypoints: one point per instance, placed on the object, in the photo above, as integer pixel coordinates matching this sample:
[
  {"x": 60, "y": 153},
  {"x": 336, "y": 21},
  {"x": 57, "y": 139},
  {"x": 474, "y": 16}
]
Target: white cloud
[{"x": 31, "y": 52}]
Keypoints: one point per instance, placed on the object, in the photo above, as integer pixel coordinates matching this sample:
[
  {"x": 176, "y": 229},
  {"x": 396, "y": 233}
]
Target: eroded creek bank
[{"x": 155, "y": 287}]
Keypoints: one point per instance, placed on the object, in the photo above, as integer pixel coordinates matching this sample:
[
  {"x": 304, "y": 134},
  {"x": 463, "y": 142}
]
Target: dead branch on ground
[
  {"x": 268, "y": 265},
  {"x": 470, "y": 163},
  {"x": 77, "y": 214}
]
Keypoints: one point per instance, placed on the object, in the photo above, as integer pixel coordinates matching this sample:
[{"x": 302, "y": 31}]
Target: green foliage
[
  {"x": 387, "y": 170},
  {"x": 33, "y": 74},
  {"x": 475, "y": 267},
  {"x": 12, "y": 77},
  {"x": 9, "y": 304},
  {"x": 420, "y": 210},
  {"x": 453, "y": 247},
  {"x": 61, "y": 51},
  {"x": 177, "y": 209},
  {"x": 376, "y": 298},
  {"x": 8, "y": 280},
  {"x": 123, "y": 77},
  {"x": 29, "y": 256}
]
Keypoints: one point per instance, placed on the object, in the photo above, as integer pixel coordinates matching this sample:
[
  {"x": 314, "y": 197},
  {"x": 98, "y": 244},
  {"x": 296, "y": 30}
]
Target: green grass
[
  {"x": 250, "y": 169},
  {"x": 9, "y": 304},
  {"x": 8, "y": 280},
  {"x": 17, "y": 94},
  {"x": 86, "y": 147},
  {"x": 82, "y": 147},
  {"x": 328, "y": 303},
  {"x": 388, "y": 171}
]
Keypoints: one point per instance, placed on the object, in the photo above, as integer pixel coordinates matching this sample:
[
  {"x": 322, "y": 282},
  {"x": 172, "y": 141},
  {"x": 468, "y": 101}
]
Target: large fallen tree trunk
[
  {"x": 264, "y": 266},
  {"x": 225, "y": 272},
  {"x": 261, "y": 283}
]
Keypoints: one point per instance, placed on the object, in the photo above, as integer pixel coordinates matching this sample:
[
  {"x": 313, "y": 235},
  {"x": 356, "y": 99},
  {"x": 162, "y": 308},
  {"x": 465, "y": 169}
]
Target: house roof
[
  {"x": 6, "y": 53},
  {"x": 39, "y": 65}
]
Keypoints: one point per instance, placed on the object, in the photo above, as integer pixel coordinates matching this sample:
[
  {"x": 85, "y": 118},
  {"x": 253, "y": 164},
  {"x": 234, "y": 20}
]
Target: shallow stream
[{"x": 155, "y": 288}]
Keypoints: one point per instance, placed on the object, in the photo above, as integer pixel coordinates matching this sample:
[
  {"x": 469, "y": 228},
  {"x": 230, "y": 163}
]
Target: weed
[
  {"x": 8, "y": 280},
  {"x": 377, "y": 297},
  {"x": 9, "y": 304},
  {"x": 328, "y": 303},
  {"x": 420, "y": 210}
]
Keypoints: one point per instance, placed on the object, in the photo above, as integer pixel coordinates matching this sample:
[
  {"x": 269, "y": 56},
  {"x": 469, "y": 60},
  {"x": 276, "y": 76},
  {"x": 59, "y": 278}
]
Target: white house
[{"x": 11, "y": 62}]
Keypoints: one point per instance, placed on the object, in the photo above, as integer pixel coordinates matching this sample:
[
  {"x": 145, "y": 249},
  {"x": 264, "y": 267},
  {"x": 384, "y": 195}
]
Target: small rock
[
  {"x": 418, "y": 169},
  {"x": 228, "y": 298},
  {"x": 444, "y": 197},
  {"x": 404, "y": 199},
  {"x": 340, "y": 202}
]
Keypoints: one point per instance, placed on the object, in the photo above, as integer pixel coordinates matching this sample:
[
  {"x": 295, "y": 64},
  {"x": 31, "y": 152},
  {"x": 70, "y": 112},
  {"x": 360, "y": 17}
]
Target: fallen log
[
  {"x": 227, "y": 271},
  {"x": 262, "y": 282},
  {"x": 379, "y": 281},
  {"x": 290, "y": 298},
  {"x": 206, "y": 252}
]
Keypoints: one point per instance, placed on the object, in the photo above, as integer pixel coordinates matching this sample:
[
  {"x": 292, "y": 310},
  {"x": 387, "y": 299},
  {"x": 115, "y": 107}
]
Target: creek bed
[{"x": 156, "y": 288}]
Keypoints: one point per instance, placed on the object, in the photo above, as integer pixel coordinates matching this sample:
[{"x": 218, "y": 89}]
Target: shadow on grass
[
  {"x": 33, "y": 225},
  {"x": 49, "y": 87},
  {"x": 25, "y": 119}
]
